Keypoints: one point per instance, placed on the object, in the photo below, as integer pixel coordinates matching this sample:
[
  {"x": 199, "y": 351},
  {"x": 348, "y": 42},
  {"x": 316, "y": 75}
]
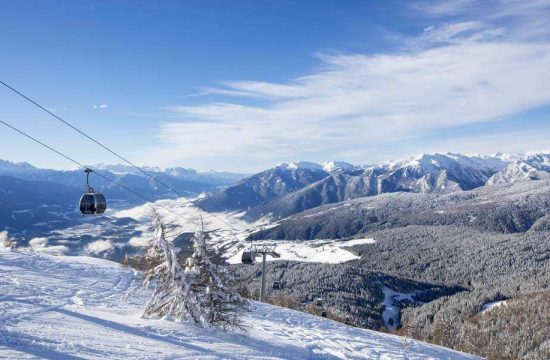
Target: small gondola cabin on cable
[
  {"x": 248, "y": 258},
  {"x": 92, "y": 202}
]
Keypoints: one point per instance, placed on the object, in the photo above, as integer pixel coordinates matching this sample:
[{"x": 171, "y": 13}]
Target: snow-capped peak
[
  {"x": 337, "y": 166},
  {"x": 180, "y": 172},
  {"x": 8, "y": 165},
  {"x": 295, "y": 165},
  {"x": 436, "y": 161},
  {"x": 525, "y": 166},
  {"x": 122, "y": 169}
]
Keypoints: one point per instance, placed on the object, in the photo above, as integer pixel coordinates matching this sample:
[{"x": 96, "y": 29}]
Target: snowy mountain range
[
  {"x": 290, "y": 188},
  {"x": 35, "y": 200},
  {"x": 190, "y": 179},
  {"x": 41, "y": 203}
]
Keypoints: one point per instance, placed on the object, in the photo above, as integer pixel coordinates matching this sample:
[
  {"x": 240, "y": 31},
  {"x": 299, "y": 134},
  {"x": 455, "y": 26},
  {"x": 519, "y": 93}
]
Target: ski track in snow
[{"x": 56, "y": 308}]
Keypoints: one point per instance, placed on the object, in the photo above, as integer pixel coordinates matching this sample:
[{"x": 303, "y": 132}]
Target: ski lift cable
[
  {"x": 170, "y": 188},
  {"x": 91, "y": 139},
  {"x": 97, "y": 173}
]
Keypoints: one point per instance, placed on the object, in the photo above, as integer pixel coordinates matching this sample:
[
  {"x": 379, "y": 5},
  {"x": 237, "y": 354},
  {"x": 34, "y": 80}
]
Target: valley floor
[{"x": 74, "y": 307}]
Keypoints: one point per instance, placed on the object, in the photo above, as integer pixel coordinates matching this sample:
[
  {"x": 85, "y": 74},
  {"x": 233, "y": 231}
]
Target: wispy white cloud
[
  {"x": 40, "y": 244},
  {"x": 458, "y": 32},
  {"x": 467, "y": 72},
  {"x": 5, "y": 240},
  {"x": 100, "y": 106},
  {"x": 99, "y": 246},
  {"x": 445, "y": 7}
]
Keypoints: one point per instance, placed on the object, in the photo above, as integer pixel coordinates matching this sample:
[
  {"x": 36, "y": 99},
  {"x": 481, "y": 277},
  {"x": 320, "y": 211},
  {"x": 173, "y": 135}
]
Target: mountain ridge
[{"x": 424, "y": 173}]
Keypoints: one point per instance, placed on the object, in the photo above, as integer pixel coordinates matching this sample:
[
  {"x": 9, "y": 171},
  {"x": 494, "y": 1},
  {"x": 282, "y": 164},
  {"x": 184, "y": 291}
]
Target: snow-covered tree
[
  {"x": 223, "y": 304},
  {"x": 198, "y": 291},
  {"x": 172, "y": 295}
]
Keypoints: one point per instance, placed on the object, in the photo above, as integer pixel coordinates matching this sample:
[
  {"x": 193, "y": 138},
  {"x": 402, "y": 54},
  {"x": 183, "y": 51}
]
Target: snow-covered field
[
  {"x": 229, "y": 232},
  {"x": 491, "y": 305},
  {"x": 325, "y": 251},
  {"x": 73, "y": 308}
]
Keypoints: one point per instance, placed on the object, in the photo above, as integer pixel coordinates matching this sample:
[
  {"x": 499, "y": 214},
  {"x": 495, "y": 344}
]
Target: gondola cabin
[
  {"x": 93, "y": 203},
  {"x": 319, "y": 302},
  {"x": 276, "y": 285},
  {"x": 324, "y": 313},
  {"x": 248, "y": 258}
]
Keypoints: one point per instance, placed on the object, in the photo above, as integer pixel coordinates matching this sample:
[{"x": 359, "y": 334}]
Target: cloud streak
[{"x": 463, "y": 73}]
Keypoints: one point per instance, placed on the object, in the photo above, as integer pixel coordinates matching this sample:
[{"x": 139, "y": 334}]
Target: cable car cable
[
  {"x": 90, "y": 138},
  {"x": 97, "y": 173},
  {"x": 111, "y": 151}
]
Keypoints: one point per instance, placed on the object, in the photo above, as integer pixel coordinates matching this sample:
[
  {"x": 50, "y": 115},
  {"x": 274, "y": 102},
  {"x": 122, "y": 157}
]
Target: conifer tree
[
  {"x": 222, "y": 302},
  {"x": 172, "y": 296},
  {"x": 197, "y": 291}
]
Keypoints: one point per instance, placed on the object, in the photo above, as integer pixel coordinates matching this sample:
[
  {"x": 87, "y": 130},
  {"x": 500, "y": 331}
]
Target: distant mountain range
[
  {"x": 33, "y": 200},
  {"x": 185, "y": 180},
  {"x": 291, "y": 188}
]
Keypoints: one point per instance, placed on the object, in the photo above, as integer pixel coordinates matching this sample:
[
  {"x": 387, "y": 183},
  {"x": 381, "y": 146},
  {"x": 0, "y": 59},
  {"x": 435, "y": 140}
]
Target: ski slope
[{"x": 74, "y": 307}]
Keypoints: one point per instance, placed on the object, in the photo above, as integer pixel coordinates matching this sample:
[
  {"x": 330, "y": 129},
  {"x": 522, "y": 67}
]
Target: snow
[
  {"x": 232, "y": 241},
  {"x": 435, "y": 161},
  {"x": 391, "y": 314},
  {"x": 73, "y": 308},
  {"x": 492, "y": 305},
  {"x": 323, "y": 251},
  {"x": 302, "y": 165},
  {"x": 88, "y": 260},
  {"x": 99, "y": 246},
  {"x": 186, "y": 216},
  {"x": 40, "y": 244},
  {"x": 337, "y": 166}
]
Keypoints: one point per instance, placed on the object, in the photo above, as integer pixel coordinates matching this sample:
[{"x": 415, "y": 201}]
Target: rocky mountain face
[
  {"x": 437, "y": 173},
  {"x": 264, "y": 186},
  {"x": 529, "y": 167}
]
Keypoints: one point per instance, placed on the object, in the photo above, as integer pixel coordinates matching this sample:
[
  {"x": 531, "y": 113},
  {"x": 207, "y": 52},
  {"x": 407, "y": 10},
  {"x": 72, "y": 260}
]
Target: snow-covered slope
[{"x": 73, "y": 308}]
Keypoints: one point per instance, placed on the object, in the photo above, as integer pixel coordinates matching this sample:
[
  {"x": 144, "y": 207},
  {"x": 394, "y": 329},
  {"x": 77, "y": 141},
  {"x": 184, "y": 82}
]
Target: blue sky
[{"x": 243, "y": 85}]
